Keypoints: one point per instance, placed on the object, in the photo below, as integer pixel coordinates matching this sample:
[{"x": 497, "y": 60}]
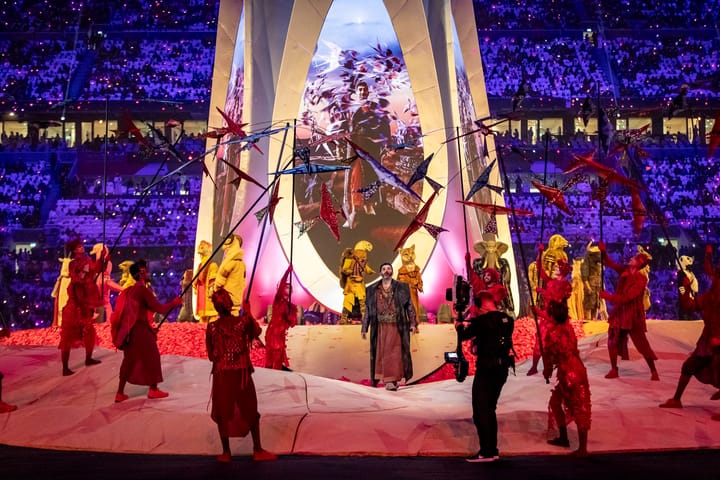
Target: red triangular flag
[
  {"x": 638, "y": 211},
  {"x": 327, "y": 212},
  {"x": 553, "y": 196},
  {"x": 416, "y": 222}
]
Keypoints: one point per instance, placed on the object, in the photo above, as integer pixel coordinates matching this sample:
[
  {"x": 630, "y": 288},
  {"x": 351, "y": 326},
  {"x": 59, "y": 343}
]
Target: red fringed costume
[
  {"x": 572, "y": 391},
  {"x": 284, "y": 317},
  {"x": 557, "y": 288},
  {"x": 234, "y": 401}
]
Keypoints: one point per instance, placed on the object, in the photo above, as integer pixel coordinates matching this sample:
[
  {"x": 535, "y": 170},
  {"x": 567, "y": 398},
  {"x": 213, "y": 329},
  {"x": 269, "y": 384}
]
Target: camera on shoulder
[{"x": 458, "y": 294}]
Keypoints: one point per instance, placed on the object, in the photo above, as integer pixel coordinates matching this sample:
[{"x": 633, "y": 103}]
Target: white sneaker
[
  {"x": 477, "y": 458},
  {"x": 392, "y": 386}
]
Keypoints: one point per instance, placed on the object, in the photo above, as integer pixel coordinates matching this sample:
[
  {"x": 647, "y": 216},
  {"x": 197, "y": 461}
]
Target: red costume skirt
[
  {"x": 572, "y": 394},
  {"x": 141, "y": 362},
  {"x": 234, "y": 402},
  {"x": 706, "y": 368},
  {"x": 78, "y": 328},
  {"x": 276, "y": 358}
]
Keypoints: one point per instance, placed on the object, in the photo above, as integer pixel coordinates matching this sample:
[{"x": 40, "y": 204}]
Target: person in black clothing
[{"x": 489, "y": 331}]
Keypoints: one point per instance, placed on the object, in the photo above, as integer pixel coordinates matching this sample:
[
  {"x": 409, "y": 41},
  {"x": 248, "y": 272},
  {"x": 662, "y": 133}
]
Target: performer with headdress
[
  {"x": 284, "y": 316},
  {"x": 647, "y": 303},
  {"x": 59, "y": 291},
  {"x": 558, "y": 289},
  {"x": 186, "y": 311},
  {"x": 491, "y": 252},
  {"x": 556, "y": 251},
  {"x": 205, "y": 283},
  {"x": 126, "y": 280},
  {"x": 575, "y": 302},
  {"x": 591, "y": 274},
  {"x": 234, "y": 400},
  {"x": 353, "y": 268},
  {"x": 79, "y": 312},
  {"x": 488, "y": 279},
  {"x": 687, "y": 287},
  {"x": 410, "y": 273},
  {"x": 231, "y": 273},
  {"x": 627, "y": 318},
  {"x": 104, "y": 282}
]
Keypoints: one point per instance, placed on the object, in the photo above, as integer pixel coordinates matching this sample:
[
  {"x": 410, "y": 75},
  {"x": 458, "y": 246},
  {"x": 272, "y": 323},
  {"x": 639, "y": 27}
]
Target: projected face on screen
[{"x": 358, "y": 85}]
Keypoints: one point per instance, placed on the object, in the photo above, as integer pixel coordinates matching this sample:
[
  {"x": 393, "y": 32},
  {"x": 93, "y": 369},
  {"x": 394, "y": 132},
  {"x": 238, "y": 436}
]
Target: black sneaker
[{"x": 480, "y": 458}]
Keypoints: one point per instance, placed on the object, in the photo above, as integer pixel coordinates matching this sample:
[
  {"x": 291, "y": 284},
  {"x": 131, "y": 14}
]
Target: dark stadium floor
[{"x": 27, "y": 463}]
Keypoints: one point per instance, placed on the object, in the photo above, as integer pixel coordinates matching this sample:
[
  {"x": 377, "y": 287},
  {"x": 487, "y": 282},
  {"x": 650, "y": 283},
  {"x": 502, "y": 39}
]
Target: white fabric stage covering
[{"x": 306, "y": 414}]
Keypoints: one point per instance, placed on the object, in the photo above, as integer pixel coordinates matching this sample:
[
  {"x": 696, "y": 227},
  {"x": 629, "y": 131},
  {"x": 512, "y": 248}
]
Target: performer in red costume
[
  {"x": 284, "y": 317},
  {"x": 141, "y": 360},
  {"x": 234, "y": 401},
  {"x": 570, "y": 399},
  {"x": 558, "y": 289},
  {"x": 628, "y": 316},
  {"x": 5, "y": 407},
  {"x": 704, "y": 362},
  {"x": 480, "y": 283},
  {"x": 79, "y": 313}
]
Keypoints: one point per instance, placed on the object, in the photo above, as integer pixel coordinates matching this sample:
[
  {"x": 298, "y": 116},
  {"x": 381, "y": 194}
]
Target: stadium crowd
[{"x": 163, "y": 51}]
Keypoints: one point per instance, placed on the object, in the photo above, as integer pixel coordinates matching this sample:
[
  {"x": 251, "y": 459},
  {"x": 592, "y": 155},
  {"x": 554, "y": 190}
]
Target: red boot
[
  {"x": 157, "y": 393},
  {"x": 263, "y": 456}
]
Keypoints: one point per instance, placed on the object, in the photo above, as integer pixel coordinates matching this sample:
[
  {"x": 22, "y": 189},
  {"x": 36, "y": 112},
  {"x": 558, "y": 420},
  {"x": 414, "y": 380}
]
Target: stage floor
[{"x": 308, "y": 414}]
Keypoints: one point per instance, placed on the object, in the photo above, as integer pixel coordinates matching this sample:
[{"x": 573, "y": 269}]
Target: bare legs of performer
[
  {"x": 641, "y": 343},
  {"x": 534, "y": 367},
  {"x": 259, "y": 455},
  {"x": 615, "y": 372},
  {"x": 675, "y": 401},
  {"x": 89, "y": 361},
  {"x": 562, "y": 439},
  {"x": 153, "y": 393}
]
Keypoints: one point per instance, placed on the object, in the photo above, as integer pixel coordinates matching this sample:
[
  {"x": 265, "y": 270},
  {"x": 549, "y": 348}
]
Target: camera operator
[{"x": 489, "y": 329}]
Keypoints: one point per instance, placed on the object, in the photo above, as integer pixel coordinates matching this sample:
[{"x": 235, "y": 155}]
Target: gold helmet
[
  {"x": 557, "y": 241},
  {"x": 364, "y": 245}
]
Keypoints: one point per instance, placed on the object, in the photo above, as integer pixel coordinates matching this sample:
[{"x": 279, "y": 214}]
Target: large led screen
[{"x": 358, "y": 84}]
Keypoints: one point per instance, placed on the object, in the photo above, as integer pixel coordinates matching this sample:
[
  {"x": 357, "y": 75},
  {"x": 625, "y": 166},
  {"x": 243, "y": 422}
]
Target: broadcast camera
[{"x": 459, "y": 295}]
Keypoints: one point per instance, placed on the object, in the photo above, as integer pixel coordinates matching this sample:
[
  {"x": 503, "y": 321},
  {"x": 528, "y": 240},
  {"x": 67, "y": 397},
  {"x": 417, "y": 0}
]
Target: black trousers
[{"x": 486, "y": 388}]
